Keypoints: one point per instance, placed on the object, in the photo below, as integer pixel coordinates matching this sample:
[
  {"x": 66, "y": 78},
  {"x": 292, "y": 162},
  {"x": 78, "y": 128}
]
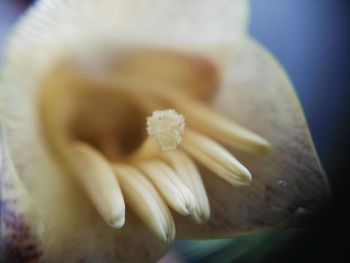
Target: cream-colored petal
[
  {"x": 289, "y": 181},
  {"x": 91, "y": 240},
  {"x": 21, "y": 227},
  {"x": 53, "y": 28}
]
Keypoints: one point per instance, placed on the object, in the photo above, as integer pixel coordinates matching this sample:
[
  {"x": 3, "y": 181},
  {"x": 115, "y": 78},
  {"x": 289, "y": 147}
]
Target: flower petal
[
  {"x": 289, "y": 180},
  {"x": 53, "y": 28},
  {"x": 21, "y": 229}
]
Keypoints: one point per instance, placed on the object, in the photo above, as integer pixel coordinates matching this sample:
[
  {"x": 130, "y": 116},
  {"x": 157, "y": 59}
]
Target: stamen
[
  {"x": 197, "y": 114},
  {"x": 141, "y": 196},
  {"x": 175, "y": 193},
  {"x": 218, "y": 127},
  {"x": 187, "y": 171},
  {"x": 216, "y": 158},
  {"x": 149, "y": 149},
  {"x": 166, "y": 127},
  {"x": 97, "y": 177}
]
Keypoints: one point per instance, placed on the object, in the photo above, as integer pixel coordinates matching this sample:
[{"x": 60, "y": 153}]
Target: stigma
[{"x": 167, "y": 127}]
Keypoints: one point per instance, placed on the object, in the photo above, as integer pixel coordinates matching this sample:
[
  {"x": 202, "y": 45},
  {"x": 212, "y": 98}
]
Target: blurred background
[{"x": 311, "y": 39}]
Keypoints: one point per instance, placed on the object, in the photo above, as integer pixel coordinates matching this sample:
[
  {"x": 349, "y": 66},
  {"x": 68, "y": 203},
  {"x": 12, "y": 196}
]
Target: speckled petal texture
[
  {"x": 288, "y": 182},
  {"x": 21, "y": 230}
]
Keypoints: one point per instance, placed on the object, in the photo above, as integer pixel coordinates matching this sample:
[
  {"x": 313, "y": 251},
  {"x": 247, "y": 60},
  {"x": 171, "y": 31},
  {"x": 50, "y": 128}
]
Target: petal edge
[{"x": 289, "y": 180}]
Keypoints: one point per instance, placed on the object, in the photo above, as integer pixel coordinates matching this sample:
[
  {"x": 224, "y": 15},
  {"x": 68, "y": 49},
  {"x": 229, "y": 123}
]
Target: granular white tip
[{"x": 167, "y": 127}]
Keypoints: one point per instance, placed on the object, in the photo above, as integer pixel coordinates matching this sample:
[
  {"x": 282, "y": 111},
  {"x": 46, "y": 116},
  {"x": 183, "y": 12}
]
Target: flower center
[
  {"x": 75, "y": 108},
  {"x": 95, "y": 123}
]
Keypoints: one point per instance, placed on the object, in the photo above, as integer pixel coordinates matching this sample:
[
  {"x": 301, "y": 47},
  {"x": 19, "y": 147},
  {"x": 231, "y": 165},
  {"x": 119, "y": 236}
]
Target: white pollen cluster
[{"x": 167, "y": 127}]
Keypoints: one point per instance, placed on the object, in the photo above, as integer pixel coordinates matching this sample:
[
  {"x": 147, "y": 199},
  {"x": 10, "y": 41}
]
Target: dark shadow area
[{"x": 312, "y": 41}]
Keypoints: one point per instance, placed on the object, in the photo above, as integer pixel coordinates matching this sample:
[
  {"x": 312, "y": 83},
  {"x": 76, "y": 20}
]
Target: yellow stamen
[
  {"x": 152, "y": 173},
  {"x": 187, "y": 171},
  {"x": 216, "y": 158},
  {"x": 97, "y": 177},
  {"x": 197, "y": 113},
  {"x": 218, "y": 127},
  {"x": 144, "y": 200},
  {"x": 174, "y": 192}
]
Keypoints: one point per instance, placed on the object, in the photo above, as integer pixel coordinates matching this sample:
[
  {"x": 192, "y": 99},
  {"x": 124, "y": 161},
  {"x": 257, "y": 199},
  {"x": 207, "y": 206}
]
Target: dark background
[{"x": 311, "y": 39}]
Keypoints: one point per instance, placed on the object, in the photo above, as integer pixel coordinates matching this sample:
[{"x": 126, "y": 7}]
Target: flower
[{"x": 80, "y": 180}]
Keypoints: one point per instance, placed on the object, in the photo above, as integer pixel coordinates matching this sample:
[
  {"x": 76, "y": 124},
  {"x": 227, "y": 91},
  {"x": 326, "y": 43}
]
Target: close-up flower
[{"x": 127, "y": 124}]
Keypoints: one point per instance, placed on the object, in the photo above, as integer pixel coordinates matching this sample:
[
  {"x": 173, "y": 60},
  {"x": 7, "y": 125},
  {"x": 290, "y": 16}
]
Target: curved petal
[
  {"x": 91, "y": 240},
  {"x": 54, "y": 27},
  {"x": 21, "y": 230},
  {"x": 287, "y": 182}
]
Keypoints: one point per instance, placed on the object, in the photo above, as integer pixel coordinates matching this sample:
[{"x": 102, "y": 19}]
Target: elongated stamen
[
  {"x": 96, "y": 175},
  {"x": 218, "y": 127},
  {"x": 149, "y": 148},
  {"x": 144, "y": 200},
  {"x": 197, "y": 114},
  {"x": 215, "y": 158},
  {"x": 187, "y": 171},
  {"x": 106, "y": 116},
  {"x": 175, "y": 193}
]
